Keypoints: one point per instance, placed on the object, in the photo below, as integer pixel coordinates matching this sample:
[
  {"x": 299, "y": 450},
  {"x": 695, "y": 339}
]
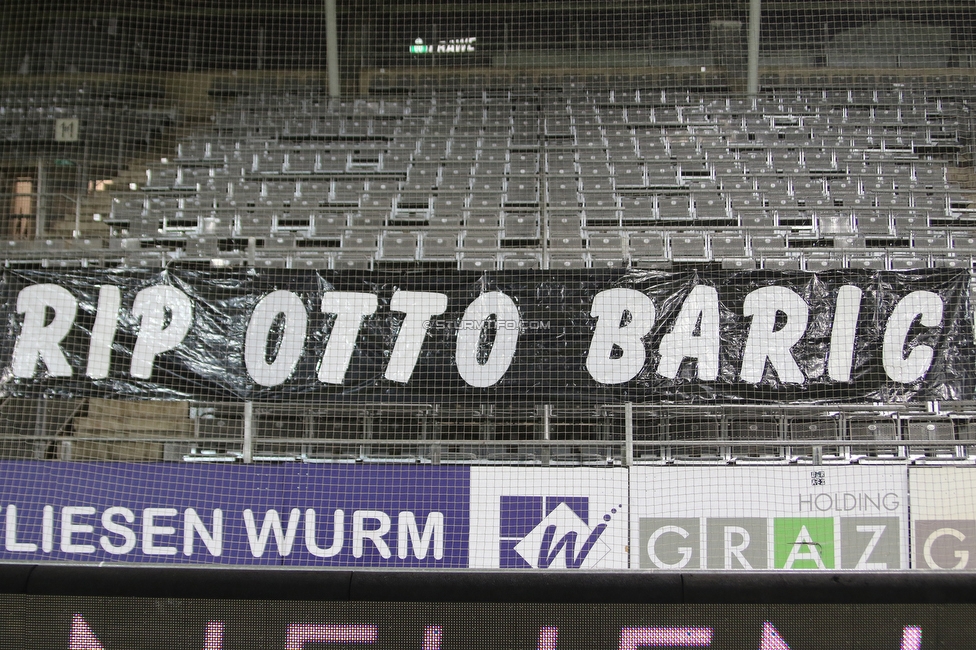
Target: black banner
[{"x": 542, "y": 336}]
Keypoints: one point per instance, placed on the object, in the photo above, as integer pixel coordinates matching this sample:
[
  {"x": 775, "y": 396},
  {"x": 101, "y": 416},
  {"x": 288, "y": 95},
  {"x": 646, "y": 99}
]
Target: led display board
[{"x": 72, "y": 623}]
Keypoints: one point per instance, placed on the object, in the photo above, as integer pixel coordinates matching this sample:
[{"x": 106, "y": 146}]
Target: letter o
[
  {"x": 292, "y": 340},
  {"x": 492, "y": 303}
]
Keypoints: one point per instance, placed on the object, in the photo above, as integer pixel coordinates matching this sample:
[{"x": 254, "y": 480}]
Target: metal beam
[
  {"x": 752, "y": 65},
  {"x": 332, "y": 48}
]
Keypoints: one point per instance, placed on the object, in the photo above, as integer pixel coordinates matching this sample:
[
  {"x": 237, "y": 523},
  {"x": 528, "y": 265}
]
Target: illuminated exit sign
[{"x": 450, "y": 46}]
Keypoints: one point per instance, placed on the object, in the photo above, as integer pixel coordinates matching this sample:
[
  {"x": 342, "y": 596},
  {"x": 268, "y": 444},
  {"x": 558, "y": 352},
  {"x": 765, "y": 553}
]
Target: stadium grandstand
[
  {"x": 456, "y": 272},
  {"x": 486, "y": 137}
]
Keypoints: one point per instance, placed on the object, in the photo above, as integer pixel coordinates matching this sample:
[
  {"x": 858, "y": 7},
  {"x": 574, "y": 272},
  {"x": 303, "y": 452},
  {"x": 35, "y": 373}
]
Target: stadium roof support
[
  {"x": 752, "y": 80},
  {"x": 332, "y": 48}
]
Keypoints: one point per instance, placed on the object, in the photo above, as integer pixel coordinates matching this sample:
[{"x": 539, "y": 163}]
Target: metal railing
[{"x": 536, "y": 435}]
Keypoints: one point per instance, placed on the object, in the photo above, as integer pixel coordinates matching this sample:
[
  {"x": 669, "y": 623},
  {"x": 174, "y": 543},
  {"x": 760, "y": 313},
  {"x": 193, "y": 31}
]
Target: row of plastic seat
[
  {"x": 351, "y": 156},
  {"x": 491, "y": 250},
  {"x": 458, "y": 177},
  {"x": 580, "y": 93}
]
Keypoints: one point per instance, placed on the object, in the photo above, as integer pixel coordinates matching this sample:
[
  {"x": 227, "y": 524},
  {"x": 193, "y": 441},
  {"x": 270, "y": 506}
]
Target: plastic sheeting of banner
[{"x": 595, "y": 336}]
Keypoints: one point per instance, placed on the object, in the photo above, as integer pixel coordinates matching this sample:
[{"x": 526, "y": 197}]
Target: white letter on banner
[
  {"x": 842, "y": 333},
  {"x": 507, "y": 324},
  {"x": 764, "y": 342},
  {"x": 926, "y": 304},
  {"x": 10, "y": 537},
  {"x": 433, "y": 529},
  {"x": 681, "y": 343},
  {"x": 69, "y": 528},
  {"x": 39, "y": 339},
  {"x": 311, "y": 532},
  {"x": 127, "y": 534},
  {"x": 610, "y": 307},
  {"x": 103, "y": 331},
  {"x": 151, "y": 530},
  {"x": 193, "y": 524},
  {"x": 418, "y": 306},
  {"x": 735, "y": 550},
  {"x": 289, "y": 351},
  {"x": 360, "y": 533},
  {"x": 156, "y": 335},
  {"x": 272, "y": 523},
  {"x": 349, "y": 308}
]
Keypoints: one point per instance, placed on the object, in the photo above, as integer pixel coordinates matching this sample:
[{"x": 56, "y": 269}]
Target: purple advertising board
[{"x": 350, "y": 516}]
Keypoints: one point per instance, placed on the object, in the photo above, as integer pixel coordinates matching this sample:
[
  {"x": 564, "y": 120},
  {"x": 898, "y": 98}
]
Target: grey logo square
[
  {"x": 670, "y": 543},
  {"x": 737, "y": 543},
  {"x": 870, "y": 543},
  {"x": 945, "y": 544}
]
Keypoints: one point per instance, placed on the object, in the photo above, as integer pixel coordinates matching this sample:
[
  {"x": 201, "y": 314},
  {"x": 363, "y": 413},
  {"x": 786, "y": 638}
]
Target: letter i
[{"x": 47, "y": 529}]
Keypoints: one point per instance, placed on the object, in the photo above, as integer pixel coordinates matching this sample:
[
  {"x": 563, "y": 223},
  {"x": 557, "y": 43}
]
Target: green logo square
[{"x": 803, "y": 543}]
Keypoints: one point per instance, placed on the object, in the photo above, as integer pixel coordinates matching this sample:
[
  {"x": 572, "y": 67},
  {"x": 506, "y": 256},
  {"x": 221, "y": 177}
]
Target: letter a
[{"x": 812, "y": 552}]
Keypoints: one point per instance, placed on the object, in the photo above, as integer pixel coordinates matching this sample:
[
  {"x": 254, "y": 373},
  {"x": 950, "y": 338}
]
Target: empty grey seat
[
  {"x": 826, "y": 263},
  {"x": 483, "y": 220},
  {"x": 399, "y": 245},
  {"x": 676, "y": 208},
  {"x": 562, "y": 260},
  {"x": 478, "y": 263},
  {"x": 874, "y": 263},
  {"x": 929, "y": 241},
  {"x": 727, "y": 246},
  {"x": 781, "y": 264},
  {"x": 755, "y": 430},
  {"x": 439, "y": 246},
  {"x": 629, "y": 175},
  {"x": 351, "y": 261},
  {"x": 485, "y": 200},
  {"x": 820, "y": 429},
  {"x": 872, "y": 431},
  {"x": 328, "y": 223},
  {"x": 904, "y": 224},
  {"x": 605, "y": 242},
  {"x": 562, "y": 194},
  {"x": 710, "y": 206},
  {"x": 599, "y": 199},
  {"x": 637, "y": 206},
  {"x": 358, "y": 241},
  {"x": 254, "y": 224},
  {"x": 520, "y": 225},
  {"x": 646, "y": 246},
  {"x": 932, "y": 431},
  {"x": 569, "y": 223},
  {"x": 873, "y": 223},
  {"x": 688, "y": 247},
  {"x": 522, "y": 193},
  {"x": 521, "y": 261},
  {"x": 475, "y": 242},
  {"x": 908, "y": 262}
]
